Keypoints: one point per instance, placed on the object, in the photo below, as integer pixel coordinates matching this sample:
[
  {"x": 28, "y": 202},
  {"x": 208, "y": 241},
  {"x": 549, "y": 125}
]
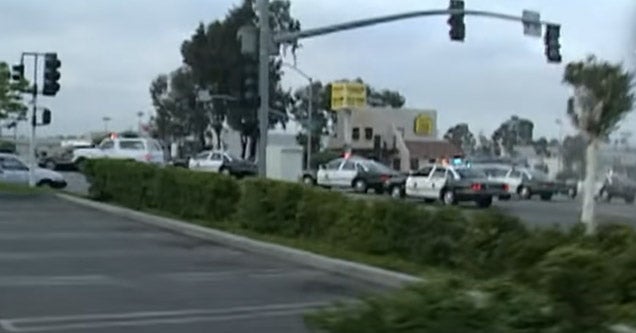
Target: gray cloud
[{"x": 111, "y": 49}]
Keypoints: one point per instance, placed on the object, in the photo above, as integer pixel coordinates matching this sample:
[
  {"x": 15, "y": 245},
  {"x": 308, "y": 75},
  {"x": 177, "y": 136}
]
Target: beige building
[{"x": 402, "y": 138}]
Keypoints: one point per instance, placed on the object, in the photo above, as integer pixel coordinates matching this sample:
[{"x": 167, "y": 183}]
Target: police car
[{"x": 451, "y": 184}]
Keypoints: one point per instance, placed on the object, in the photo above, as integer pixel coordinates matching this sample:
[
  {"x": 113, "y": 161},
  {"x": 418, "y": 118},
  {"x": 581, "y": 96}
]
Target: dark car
[
  {"x": 568, "y": 188},
  {"x": 59, "y": 158},
  {"x": 222, "y": 162},
  {"x": 354, "y": 172},
  {"x": 616, "y": 186}
]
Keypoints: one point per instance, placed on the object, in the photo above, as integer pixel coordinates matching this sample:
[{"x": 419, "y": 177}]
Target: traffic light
[
  {"x": 51, "y": 74},
  {"x": 249, "y": 86},
  {"x": 46, "y": 117},
  {"x": 456, "y": 21},
  {"x": 17, "y": 72},
  {"x": 552, "y": 45}
]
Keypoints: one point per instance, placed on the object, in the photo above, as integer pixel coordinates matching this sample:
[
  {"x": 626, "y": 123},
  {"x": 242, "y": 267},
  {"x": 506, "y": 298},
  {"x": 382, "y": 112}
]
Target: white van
[{"x": 139, "y": 149}]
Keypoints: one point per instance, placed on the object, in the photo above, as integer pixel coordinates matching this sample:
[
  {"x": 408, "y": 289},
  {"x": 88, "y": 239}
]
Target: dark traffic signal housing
[
  {"x": 17, "y": 72},
  {"x": 46, "y": 117},
  {"x": 552, "y": 45},
  {"x": 249, "y": 85},
  {"x": 51, "y": 74},
  {"x": 456, "y": 21}
]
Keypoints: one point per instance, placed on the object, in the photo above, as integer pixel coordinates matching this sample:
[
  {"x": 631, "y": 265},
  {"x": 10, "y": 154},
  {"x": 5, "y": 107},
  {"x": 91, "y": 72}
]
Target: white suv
[{"x": 138, "y": 149}]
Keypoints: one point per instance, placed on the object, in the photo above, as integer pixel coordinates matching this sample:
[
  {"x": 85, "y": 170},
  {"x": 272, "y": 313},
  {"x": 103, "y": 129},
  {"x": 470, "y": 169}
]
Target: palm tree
[{"x": 602, "y": 98}]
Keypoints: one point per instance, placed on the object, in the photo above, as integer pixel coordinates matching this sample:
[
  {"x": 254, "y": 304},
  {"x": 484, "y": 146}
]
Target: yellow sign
[
  {"x": 345, "y": 95},
  {"x": 424, "y": 125}
]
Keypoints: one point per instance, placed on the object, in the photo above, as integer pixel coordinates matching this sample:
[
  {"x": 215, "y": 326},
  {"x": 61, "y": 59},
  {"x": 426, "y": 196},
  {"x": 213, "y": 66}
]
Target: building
[{"x": 401, "y": 138}]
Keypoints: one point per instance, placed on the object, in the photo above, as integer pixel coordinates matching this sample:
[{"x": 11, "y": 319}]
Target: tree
[
  {"x": 461, "y": 136},
  {"x": 514, "y": 131},
  {"x": 602, "y": 98},
  {"x": 213, "y": 53},
  {"x": 541, "y": 147},
  {"x": 10, "y": 94}
]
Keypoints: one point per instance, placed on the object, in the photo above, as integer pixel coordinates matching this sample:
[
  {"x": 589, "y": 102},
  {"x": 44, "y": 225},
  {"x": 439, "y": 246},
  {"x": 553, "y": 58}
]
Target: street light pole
[
  {"x": 263, "y": 114},
  {"x": 310, "y": 109}
]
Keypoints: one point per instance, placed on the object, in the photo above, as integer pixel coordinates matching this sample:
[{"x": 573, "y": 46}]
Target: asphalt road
[
  {"x": 560, "y": 210},
  {"x": 65, "y": 268}
]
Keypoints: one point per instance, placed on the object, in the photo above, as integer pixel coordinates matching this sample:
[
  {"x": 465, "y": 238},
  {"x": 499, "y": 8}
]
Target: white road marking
[
  {"x": 223, "y": 275},
  {"x": 20, "y": 236},
  {"x": 94, "y": 254},
  {"x": 73, "y": 280},
  {"x": 63, "y": 323}
]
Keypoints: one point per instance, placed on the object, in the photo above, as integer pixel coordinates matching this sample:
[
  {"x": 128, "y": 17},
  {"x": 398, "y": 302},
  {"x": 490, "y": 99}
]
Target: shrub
[
  {"x": 576, "y": 279},
  {"x": 443, "y": 307},
  {"x": 205, "y": 196}
]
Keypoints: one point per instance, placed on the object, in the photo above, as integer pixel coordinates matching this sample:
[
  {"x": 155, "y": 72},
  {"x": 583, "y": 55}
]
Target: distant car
[
  {"x": 451, "y": 185},
  {"x": 14, "y": 170},
  {"x": 616, "y": 186},
  {"x": 222, "y": 162},
  {"x": 62, "y": 157},
  {"x": 521, "y": 181},
  {"x": 138, "y": 149},
  {"x": 357, "y": 173}
]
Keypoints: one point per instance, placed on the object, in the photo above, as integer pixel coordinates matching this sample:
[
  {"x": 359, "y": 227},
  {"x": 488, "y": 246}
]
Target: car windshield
[
  {"x": 538, "y": 175},
  {"x": 469, "y": 173}
]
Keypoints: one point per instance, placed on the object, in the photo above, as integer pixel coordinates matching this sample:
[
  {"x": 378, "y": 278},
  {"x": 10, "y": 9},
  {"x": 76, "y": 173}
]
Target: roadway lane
[{"x": 65, "y": 268}]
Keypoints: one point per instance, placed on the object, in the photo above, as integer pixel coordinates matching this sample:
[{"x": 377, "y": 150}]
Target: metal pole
[
  {"x": 263, "y": 114},
  {"x": 32, "y": 145},
  {"x": 291, "y": 36},
  {"x": 310, "y": 110}
]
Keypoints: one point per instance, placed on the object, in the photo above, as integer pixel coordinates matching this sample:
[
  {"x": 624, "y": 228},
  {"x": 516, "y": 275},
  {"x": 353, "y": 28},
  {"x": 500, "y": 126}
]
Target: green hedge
[{"x": 584, "y": 282}]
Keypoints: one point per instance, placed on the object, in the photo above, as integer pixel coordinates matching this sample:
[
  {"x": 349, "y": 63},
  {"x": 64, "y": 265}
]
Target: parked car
[
  {"x": 354, "y": 172},
  {"x": 567, "y": 187},
  {"x": 222, "y": 162},
  {"x": 14, "y": 170},
  {"x": 521, "y": 181},
  {"x": 138, "y": 149},
  {"x": 60, "y": 158},
  {"x": 615, "y": 186},
  {"x": 451, "y": 185}
]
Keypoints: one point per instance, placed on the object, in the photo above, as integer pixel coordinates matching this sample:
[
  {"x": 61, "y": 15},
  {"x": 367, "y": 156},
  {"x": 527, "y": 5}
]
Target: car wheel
[
  {"x": 629, "y": 200},
  {"x": 50, "y": 165},
  {"x": 225, "y": 172},
  {"x": 309, "y": 181},
  {"x": 360, "y": 186},
  {"x": 524, "y": 192},
  {"x": 396, "y": 192},
  {"x": 546, "y": 197},
  {"x": 448, "y": 198},
  {"x": 484, "y": 203},
  {"x": 605, "y": 195}
]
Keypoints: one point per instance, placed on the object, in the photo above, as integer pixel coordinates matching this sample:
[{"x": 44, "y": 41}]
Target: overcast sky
[{"x": 111, "y": 50}]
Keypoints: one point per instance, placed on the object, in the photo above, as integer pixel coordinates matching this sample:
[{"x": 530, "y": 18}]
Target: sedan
[{"x": 14, "y": 170}]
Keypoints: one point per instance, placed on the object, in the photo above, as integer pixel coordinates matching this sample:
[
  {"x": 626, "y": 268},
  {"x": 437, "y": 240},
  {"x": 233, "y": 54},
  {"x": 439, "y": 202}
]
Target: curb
[{"x": 349, "y": 269}]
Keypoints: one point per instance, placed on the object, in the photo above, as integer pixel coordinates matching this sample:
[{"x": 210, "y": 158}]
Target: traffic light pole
[
  {"x": 286, "y": 37},
  {"x": 263, "y": 61},
  {"x": 32, "y": 143}
]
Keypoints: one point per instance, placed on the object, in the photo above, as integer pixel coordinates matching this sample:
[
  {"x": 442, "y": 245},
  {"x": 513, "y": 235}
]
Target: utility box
[{"x": 284, "y": 162}]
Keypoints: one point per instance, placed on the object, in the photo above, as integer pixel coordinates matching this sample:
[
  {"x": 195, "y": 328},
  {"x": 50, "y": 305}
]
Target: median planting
[{"x": 490, "y": 272}]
